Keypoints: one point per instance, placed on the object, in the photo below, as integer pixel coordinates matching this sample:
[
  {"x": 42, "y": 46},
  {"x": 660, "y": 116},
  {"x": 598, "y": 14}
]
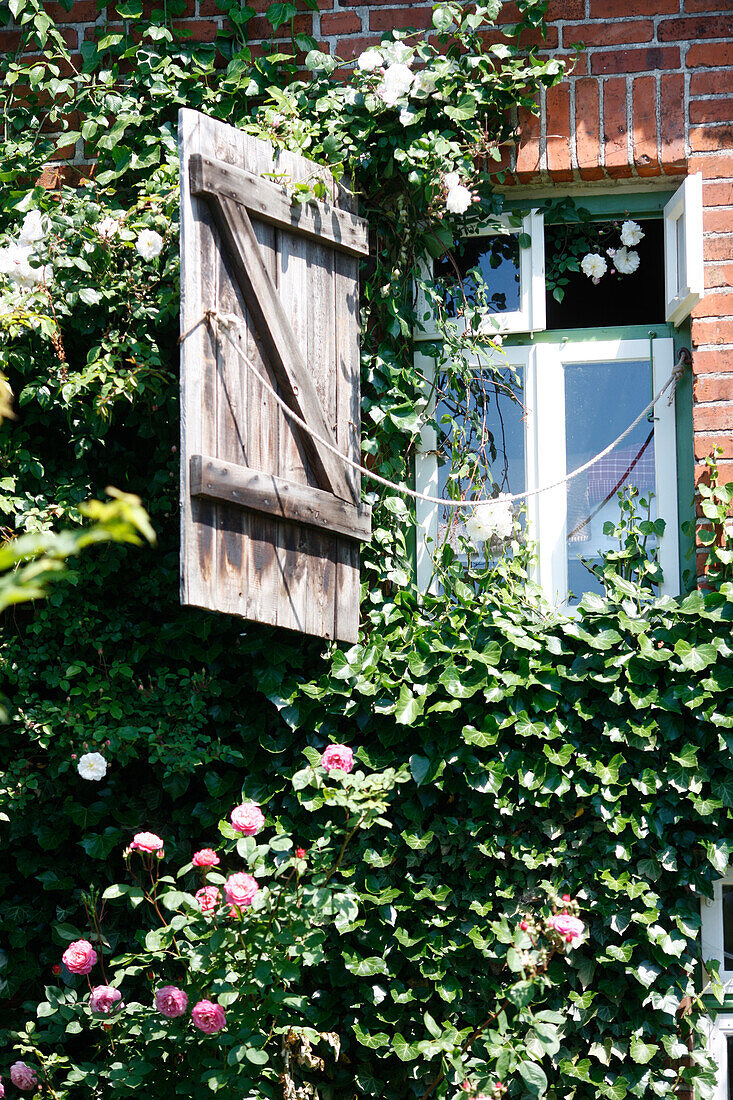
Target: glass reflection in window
[
  {"x": 601, "y": 400},
  {"x": 496, "y": 258}
]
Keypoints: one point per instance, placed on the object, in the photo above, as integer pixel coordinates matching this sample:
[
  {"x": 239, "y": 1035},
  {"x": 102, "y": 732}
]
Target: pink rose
[
  {"x": 566, "y": 926},
  {"x": 104, "y": 998},
  {"x": 208, "y": 1017},
  {"x": 79, "y": 957},
  {"x": 171, "y": 1001},
  {"x": 2, "y": 1090},
  {"x": 208, "y": 898},
  {"x": 247, "y": 818},
  {"x": 240, "y": 889},
  {"x": 146, "y": 842},
  {"x": 207, "y": 857},
  {"x": 23, "y": 1076},
  {"x": 338, "y": 757}
]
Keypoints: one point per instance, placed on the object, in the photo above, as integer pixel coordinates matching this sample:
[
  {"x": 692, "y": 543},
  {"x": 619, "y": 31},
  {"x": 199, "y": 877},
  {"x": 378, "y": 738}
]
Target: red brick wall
[{"x": 651, "y": 96}]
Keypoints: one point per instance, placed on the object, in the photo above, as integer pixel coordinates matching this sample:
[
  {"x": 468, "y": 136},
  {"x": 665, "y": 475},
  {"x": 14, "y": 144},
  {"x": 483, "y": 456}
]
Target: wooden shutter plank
[
  {"x": 276, "y": 335},
  {"x": 348, "y": 420},
  {"x": 267, "y": 201}
]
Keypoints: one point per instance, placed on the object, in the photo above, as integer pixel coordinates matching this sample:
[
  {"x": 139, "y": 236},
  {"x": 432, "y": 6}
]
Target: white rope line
[{"x": 228, "y": 321}]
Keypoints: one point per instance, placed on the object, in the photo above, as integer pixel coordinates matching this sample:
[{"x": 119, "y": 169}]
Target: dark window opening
[
  {"x": 497, "y": 260},
  {"x": 728, "y": 927},
  {"x": 633, "y": 299}
]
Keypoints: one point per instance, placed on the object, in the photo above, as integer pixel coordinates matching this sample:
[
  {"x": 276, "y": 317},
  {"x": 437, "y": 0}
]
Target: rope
[{"x": 228, "y": 321}]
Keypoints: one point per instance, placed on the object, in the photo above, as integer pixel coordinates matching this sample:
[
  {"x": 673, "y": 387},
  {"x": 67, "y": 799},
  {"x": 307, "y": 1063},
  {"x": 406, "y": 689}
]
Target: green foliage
[
  {"x": 254, "y": 960},
  {"x": 590, "y": 755}
]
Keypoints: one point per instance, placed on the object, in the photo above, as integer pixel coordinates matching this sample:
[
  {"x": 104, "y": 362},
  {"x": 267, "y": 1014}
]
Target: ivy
[{"x": 589, "y": 755}]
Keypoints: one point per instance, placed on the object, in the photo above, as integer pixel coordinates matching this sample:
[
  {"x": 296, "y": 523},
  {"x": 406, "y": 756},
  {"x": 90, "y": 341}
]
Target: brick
[
  {"x": 641, "y": 59},
  {"x": 622, "y": 9},
  {"x": 83, "y": 11},
  {"x": 672, "y": 121},
  {"x": 200, "y": 30},
  {"x": 644, "y": 126},
  {"x": 709, "y": 55},
  {"x": 712, "y": 110},
  {"x": 717, "y": 194},
  {"x": 608, "y": 34},
  {"x": 717, "y": 220},
  {"x": 714, "y": 305},
  {"x": 400, "y": 17},
  {"x": 705, "y": 445},
  {"x": 704, "y": 5},
  {"x": 692, "y": 28},
  {"x": 712, "y": 360},
  {"x": 725, "y": 473},
  {"x": 349, "y": 48},
  {"x": 713, "y": 388},
  {"x": 615, "y": 128},
  {"x": 712, "y": 83},
  {"x": 548, "y": 41},
  {"x": 261, "y": 28},
  {"x": 710, "y": 138},
  {"x": 342, "y": 22},
  {"x": 588, "y": 129},
  {"x": 713, "y": 417},
  {"x": 712, "y": 331},
  {"x": 718, "y": 275},
  {"x": 718, "y": 167},
  {"x": 565, "y": 9},
  {"x": 557, "y": 113},
  {"x": 528, "y": 153}
]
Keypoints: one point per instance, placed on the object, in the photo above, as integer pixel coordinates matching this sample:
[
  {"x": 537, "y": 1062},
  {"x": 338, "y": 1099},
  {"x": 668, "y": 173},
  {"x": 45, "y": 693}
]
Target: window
[
  {"x": 510, "y": 256},
  {"x": 583, "y": 372},
  {"x": 717, "y": 943}
]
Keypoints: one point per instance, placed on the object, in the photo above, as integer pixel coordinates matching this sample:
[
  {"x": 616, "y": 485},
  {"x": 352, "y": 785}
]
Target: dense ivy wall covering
[{"x": 591, "y": 754}]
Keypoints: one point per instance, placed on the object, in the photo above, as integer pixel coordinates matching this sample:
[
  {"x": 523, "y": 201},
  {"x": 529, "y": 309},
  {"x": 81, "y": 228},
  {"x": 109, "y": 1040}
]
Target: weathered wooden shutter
[{"x": 271, "y": 520}]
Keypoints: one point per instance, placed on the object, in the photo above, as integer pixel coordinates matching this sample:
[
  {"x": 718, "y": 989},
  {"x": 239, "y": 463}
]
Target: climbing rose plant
[{"x": 208, "y": 994}]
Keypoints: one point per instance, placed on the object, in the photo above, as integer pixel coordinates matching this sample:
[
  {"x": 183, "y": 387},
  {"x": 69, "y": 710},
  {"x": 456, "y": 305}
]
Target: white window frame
[
  {"x": 544, "y": 399},
  {"x": 712, "y": 930},
  {"x": 718, "y": 1031},
  {"x": 683, "y": 217},
  {"x": 531, "y": 315}
]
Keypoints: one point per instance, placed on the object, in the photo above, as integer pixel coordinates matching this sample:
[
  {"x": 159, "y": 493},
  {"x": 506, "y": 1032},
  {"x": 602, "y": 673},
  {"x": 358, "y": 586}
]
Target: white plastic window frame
[
  {"x": 531, "y": 315},
  {"x": 712, "y": 931},
  {"x": 683, "y": 250},
  {"x": 718, "y": 1031},
  {"x": 544, "y": 448},
  {"x": 550, "y": 442},
  {"x": 426, "y": 463}
]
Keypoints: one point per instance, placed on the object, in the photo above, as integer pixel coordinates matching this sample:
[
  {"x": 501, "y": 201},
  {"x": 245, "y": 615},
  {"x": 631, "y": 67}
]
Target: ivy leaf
[
  {"x": 641, "y": 1052},
  {"x": 280, "y": 13},
  {"x": 408, "y": 708},
  {"x": 534, "y": 1078}
]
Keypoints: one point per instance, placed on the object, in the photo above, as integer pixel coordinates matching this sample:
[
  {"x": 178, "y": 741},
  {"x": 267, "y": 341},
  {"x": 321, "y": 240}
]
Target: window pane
[
  {"x": 728, "y": 927},
  {"x": 497, "y": 258},
  {"x": 681, "y": 255},
  {"x": 728, "y": 1065},
  {"x": 601, "y": 400},
  {"x": 493, "y": 430},
  {"x": 632, "y": 299}
]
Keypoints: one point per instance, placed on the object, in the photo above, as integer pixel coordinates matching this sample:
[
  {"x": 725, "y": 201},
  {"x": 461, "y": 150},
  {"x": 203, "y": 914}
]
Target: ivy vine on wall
[{"x": 542, "y": 755}]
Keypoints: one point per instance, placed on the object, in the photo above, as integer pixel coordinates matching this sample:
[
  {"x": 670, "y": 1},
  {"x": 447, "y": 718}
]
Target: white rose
[
  {"x": 370, "y": 60},
  {"x": 625, "y": 261},
  {"x": 451, "y": 180},
  {"x": 149, "y": 244},
  {"x": 33, "y": 228},
  {"x": 490, "y": 518},
  {"x": 424, "y": 83},
  {"x": 631, "y": 233},
  {"x": 92, "y": 765},
  {"x": 593, "y": 265},
  {"x": 109, "y": 227},
  {"x": 15, "y": 264},
  {"x": 396, "y": 84},
  {"x": 398, "y": 53},
  {"x": 458, "y": 199}
]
